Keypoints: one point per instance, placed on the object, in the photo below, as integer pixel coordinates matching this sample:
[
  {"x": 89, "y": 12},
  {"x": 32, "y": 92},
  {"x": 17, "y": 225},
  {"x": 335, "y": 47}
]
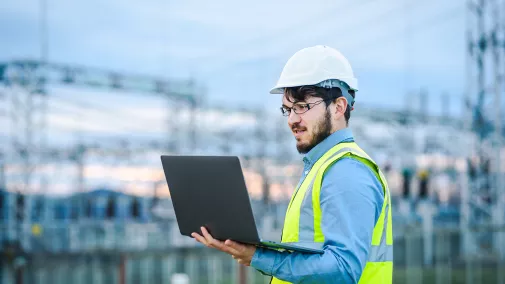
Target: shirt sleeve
[{"x": 351, "y": 201}]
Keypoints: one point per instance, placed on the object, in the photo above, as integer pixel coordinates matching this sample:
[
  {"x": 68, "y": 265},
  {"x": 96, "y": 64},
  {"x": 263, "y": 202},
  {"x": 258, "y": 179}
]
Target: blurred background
[{"x": 93, "y": 92}]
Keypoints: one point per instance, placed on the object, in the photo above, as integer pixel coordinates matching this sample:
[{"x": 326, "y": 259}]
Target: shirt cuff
[{"x": 263, "y": 260}]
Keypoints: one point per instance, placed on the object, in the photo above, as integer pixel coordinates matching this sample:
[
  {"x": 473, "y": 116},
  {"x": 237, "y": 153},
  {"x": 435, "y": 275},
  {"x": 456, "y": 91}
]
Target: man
[{"x": 342, "y": 203}]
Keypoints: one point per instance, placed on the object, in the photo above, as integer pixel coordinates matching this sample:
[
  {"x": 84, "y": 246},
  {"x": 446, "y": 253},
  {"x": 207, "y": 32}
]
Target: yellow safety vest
[{"x": 302, "y": 223}]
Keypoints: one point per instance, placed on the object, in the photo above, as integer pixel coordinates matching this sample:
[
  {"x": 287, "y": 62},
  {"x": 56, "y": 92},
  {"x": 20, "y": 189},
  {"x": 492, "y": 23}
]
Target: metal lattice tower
[
  {"x": 483, "y": 197},
  {"x": 26, "y": 93},
  {"x": 27, "y": 115}
]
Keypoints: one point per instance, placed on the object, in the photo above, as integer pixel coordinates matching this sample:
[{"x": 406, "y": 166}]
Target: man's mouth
[{"x": 298, "y": 132}]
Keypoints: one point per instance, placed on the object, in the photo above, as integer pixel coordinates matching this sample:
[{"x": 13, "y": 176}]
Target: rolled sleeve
[{"x": 263, "y": 260}]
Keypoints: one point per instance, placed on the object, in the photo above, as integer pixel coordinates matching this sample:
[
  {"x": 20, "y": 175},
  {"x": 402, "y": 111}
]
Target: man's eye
[{"x": 302, "y": 106}]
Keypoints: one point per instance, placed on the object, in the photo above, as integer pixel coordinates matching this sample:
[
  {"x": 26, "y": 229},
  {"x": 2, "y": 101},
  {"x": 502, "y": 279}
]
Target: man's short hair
[{"x": 328, "y": 95}]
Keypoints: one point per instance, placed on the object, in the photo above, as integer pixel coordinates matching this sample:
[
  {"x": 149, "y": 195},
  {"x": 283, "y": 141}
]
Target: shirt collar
[{"x": 342, "y": 135}]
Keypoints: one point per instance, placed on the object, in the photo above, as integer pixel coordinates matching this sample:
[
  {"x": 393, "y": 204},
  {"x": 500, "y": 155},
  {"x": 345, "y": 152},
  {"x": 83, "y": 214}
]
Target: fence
[{"x": 148, "y": 253}]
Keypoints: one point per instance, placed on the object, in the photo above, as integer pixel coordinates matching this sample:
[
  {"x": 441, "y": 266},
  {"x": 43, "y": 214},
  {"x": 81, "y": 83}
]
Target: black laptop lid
[{"x": 210, "y": 191}]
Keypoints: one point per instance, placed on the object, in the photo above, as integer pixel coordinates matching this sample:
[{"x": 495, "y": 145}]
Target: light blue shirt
[{"x": 351, "y": 201}]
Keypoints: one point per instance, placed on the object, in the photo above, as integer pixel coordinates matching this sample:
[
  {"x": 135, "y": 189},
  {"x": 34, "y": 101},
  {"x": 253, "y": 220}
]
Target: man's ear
[{"x": 341, "y": 104}]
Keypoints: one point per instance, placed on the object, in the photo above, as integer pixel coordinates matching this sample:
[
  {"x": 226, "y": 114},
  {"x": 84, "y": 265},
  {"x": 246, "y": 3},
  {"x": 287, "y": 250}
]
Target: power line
[
  {"x": 379, "y": 20},
  {"x": 80, "y": 128},
  {"x": 305, "y": 24},
  {"x": 445, "y": 16},
  {"x": 133, "y": 118}
]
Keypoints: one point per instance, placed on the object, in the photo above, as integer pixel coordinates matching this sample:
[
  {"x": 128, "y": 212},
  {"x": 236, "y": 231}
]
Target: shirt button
[{"x": 306, "y": 172}]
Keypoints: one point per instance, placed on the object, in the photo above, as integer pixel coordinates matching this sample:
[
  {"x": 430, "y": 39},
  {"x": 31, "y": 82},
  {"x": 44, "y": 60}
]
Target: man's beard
[{"x": 321, "y": 130}]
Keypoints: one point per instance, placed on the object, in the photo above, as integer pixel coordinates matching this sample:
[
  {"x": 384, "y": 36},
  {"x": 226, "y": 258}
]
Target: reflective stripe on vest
[{"x": 303, "y": 219}]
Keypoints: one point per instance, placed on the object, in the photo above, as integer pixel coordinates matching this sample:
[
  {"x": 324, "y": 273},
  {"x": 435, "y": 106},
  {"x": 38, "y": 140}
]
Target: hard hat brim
[{"x": 351, "y": 82}]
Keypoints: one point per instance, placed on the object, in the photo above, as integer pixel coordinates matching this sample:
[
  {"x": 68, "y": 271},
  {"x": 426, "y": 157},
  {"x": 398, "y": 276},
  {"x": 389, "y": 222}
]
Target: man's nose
[{"x": 293, "y": 118}]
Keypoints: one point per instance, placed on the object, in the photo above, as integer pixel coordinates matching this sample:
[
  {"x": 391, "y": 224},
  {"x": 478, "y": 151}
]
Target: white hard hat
[{"x": 314, "y": 65}]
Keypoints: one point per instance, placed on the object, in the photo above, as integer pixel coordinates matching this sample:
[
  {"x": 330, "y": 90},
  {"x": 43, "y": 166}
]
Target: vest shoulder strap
[{"x": 355, "y": 152}]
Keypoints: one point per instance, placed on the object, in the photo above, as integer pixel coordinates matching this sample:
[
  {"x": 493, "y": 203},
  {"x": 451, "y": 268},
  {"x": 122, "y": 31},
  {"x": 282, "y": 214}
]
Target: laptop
[{"x": 210, "y": 191}]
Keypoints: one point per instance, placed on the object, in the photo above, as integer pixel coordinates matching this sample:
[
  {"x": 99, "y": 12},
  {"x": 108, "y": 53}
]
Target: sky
[{"x": 237, "y": 49}]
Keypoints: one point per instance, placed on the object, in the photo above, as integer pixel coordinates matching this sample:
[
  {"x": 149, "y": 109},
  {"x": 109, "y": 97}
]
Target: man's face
[{"x": 311, "y": 127}]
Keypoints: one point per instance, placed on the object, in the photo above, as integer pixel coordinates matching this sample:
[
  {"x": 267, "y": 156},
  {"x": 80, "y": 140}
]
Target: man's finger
[
  {"x": 208, "y": 238},
  {"x": 199, "y": 238},
  {"x": 239, "y": 248},
  {"x": 206, "y": 234},
  {"x": 211, "y": 242},
  {"x": 232, "y": 250},
  {"x": 215, "y": 245}
]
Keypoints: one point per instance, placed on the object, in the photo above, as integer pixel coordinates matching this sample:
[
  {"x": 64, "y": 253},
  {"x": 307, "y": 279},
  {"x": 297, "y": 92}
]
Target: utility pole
[
  {"x": 482, "y": 199},
  {"x": 24, "y": 87},
  {"x": 181, "y": 132},
  {"x": 2, "y": 172},
  {"x": 43, "y": 93},
  {"x": 473, "y": 191},
  {"x": 467, "y": 116},
  {"x": 445, "y": 107},
  {"x": 173, "y": 123},
  {"x": 193, "y": 125},
  {"x": 262, "y": 144},
  {"x": 79, "y": 157},
  {"x": 423, "y": 105},
  {"x": 498, "y": 45}
]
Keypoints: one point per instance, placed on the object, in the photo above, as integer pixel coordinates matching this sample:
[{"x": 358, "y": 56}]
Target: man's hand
[{"x": 243, "y": 253}]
